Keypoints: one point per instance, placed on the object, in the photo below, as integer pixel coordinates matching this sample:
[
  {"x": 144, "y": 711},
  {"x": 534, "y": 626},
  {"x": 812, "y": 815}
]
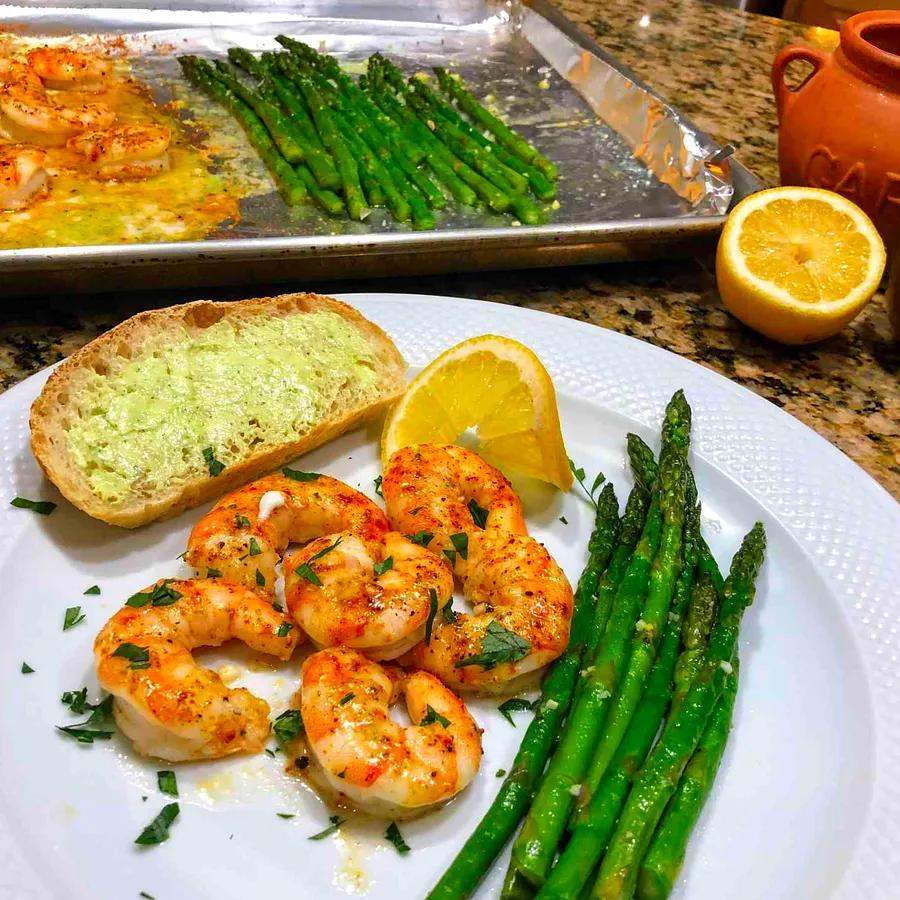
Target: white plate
[{"x": 807, "y": 803}]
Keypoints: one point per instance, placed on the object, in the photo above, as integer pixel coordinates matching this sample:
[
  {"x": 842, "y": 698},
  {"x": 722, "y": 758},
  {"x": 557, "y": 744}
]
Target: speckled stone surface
[{"x": 712, "y": 63}]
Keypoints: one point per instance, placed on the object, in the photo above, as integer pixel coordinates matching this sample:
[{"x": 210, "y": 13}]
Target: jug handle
[{"x": 785, "y": 56}]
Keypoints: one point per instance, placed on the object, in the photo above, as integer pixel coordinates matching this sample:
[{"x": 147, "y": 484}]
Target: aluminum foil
[{"x": 624, "y": 155}]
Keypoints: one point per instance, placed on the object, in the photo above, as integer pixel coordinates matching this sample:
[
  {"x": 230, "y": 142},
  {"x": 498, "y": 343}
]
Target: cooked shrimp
[
  {"x": 380, "y": 765},
  {"x": 373, "y": 596},
  {"x": 36, "y": 119},
  {"x": 15, "y": 72},
  {"x": 439, "y": 489},
  {"x": 22, "y": 174},
  {"x": 168, "y": 705},
  {"x": 63, "y": 69},
  {"x": 245, "y": 533},
  {"x": 124, "y": 151},
  {"x": 522, "y": 613},
  {"x": 522, "y": 599}
]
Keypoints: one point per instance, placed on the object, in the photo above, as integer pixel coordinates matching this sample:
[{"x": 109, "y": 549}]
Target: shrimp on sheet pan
[
  {"x": 22, "y": 174},
  {"x": 62, "y": 69}
]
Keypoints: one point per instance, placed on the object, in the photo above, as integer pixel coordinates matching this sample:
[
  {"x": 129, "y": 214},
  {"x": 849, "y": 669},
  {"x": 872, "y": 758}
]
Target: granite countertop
[{"x": 713, "y": 64}]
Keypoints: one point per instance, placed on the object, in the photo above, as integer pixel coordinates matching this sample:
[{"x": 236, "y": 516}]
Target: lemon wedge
[
  {"x": 497, "y": 388},
  {"x": 797, "y": 264}
]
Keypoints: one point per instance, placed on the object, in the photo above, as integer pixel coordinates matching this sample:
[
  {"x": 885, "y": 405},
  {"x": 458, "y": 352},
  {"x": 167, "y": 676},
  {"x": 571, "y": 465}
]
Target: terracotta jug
[{"x": 840, "y": 129}]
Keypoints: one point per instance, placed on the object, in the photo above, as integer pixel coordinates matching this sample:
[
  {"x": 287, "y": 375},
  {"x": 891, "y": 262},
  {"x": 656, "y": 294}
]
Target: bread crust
[{"x": 48, "y": 421}]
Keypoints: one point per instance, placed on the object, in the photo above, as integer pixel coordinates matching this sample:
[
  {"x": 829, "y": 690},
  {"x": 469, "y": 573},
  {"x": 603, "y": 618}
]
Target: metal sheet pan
[{"x": 635, "y": 178}]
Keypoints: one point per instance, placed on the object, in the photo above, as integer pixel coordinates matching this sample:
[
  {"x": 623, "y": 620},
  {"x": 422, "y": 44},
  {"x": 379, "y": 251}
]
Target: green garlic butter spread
[{"x": 234, "y": 390}]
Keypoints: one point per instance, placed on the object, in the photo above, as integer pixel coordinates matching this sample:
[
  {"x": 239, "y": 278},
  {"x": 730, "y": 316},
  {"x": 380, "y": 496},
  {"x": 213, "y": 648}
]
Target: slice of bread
[{"x": 133, "y": 426}]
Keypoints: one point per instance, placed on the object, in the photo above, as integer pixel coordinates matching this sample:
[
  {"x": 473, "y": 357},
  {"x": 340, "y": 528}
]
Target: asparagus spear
[
  {"x": 708, "y": 565},
  {"x": 513, "y": 142},
  {"x": 423, "y": 137},
  {"x": 328, "y": 200},
  {"x": 330, "y": 68},
  {"x": 277, "y": 123},
  {"x": 331, "y": 137},
  {"x": 534, "y": 848},
  {"x": 644, "y": 467},
  {"x": 598, "y": 818},
  {"x": 663, "y": 583},
  {"x": 495, "y": 198},
  {"x": 511, "y": 802},
  {"x": 492, "y": 167},
  {"x": 541, "y": 186},
  {"x": 665, "y": 856},
  {"x": 316, "y": 157},
  {"x": 478, "y": 161},
  {"x": 696, "y": 630},
  {"x": 372, "y": 127},
  {"x": 202, "y": 74},
  {"x": 659, "y": 777}
]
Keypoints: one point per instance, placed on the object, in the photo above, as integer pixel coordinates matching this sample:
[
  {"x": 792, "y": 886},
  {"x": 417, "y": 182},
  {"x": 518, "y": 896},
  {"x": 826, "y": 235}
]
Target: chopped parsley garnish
[
  {"x": 158, "y": 830},
  {"x": 499, "y": 773},
  {"x": 564, "y": 520},
  {"x": 253, "y": 548},
  {"x": 336, "y": 822},
  {"x": 42, "y": 507},
  {"x": 297, "y": 475},
  {"x": 381, "y": 567},
  {"x": 422, "y": 538},
  {"x": 284, "y": 629},
  {"x": 161, "y": 595},
  {"x": 76, "y": 701},
  {"x": 578, "y": 472},
  {"x": 305, "y": 570},
  {"x": 460, "y": 544},
  {"x": 301, "y": 762},
  {"x": 499, "y": 645},
  {"x": 93, "y": 589},
  {"x": 72, "y": 618},
  {"x": 479, "y": 513},
  {"x": 393, "y": 835},
  {"x": 84, "y": 733},
  {"x": 346, "y": 698},
  {"x": 285, "y": 815},
  {"x": 241, "y": 521},
  {"x": 213, "y": 573},
  {"x": 448, "y": 613},
  {"x": 215, "y": 467},
  {"x": 432, "y": 612},
  {"x": 269, "y": 752},
  {"x": 167, "y": 783},
  {"x": 145, "y": 896},
  {"x": 432, "y": 715},
  {"x": 260, "y": 579},
  {"x": 450, "y": 554},
  {"x": 138, "y": 657},
  {"x": 378, "y": 480},
  {"x": 26, "y": 669},
  {"x": 416, "y": 511},
  {"x": 288, "y": 726},
  {"x": 514, "y": 704},
  {"x": 277, "y": 606}
]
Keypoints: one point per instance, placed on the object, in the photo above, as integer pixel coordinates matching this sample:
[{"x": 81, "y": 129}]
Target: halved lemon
[
  {"x": 497, "y": 388},
  {"x": 797, "y": 263}
]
